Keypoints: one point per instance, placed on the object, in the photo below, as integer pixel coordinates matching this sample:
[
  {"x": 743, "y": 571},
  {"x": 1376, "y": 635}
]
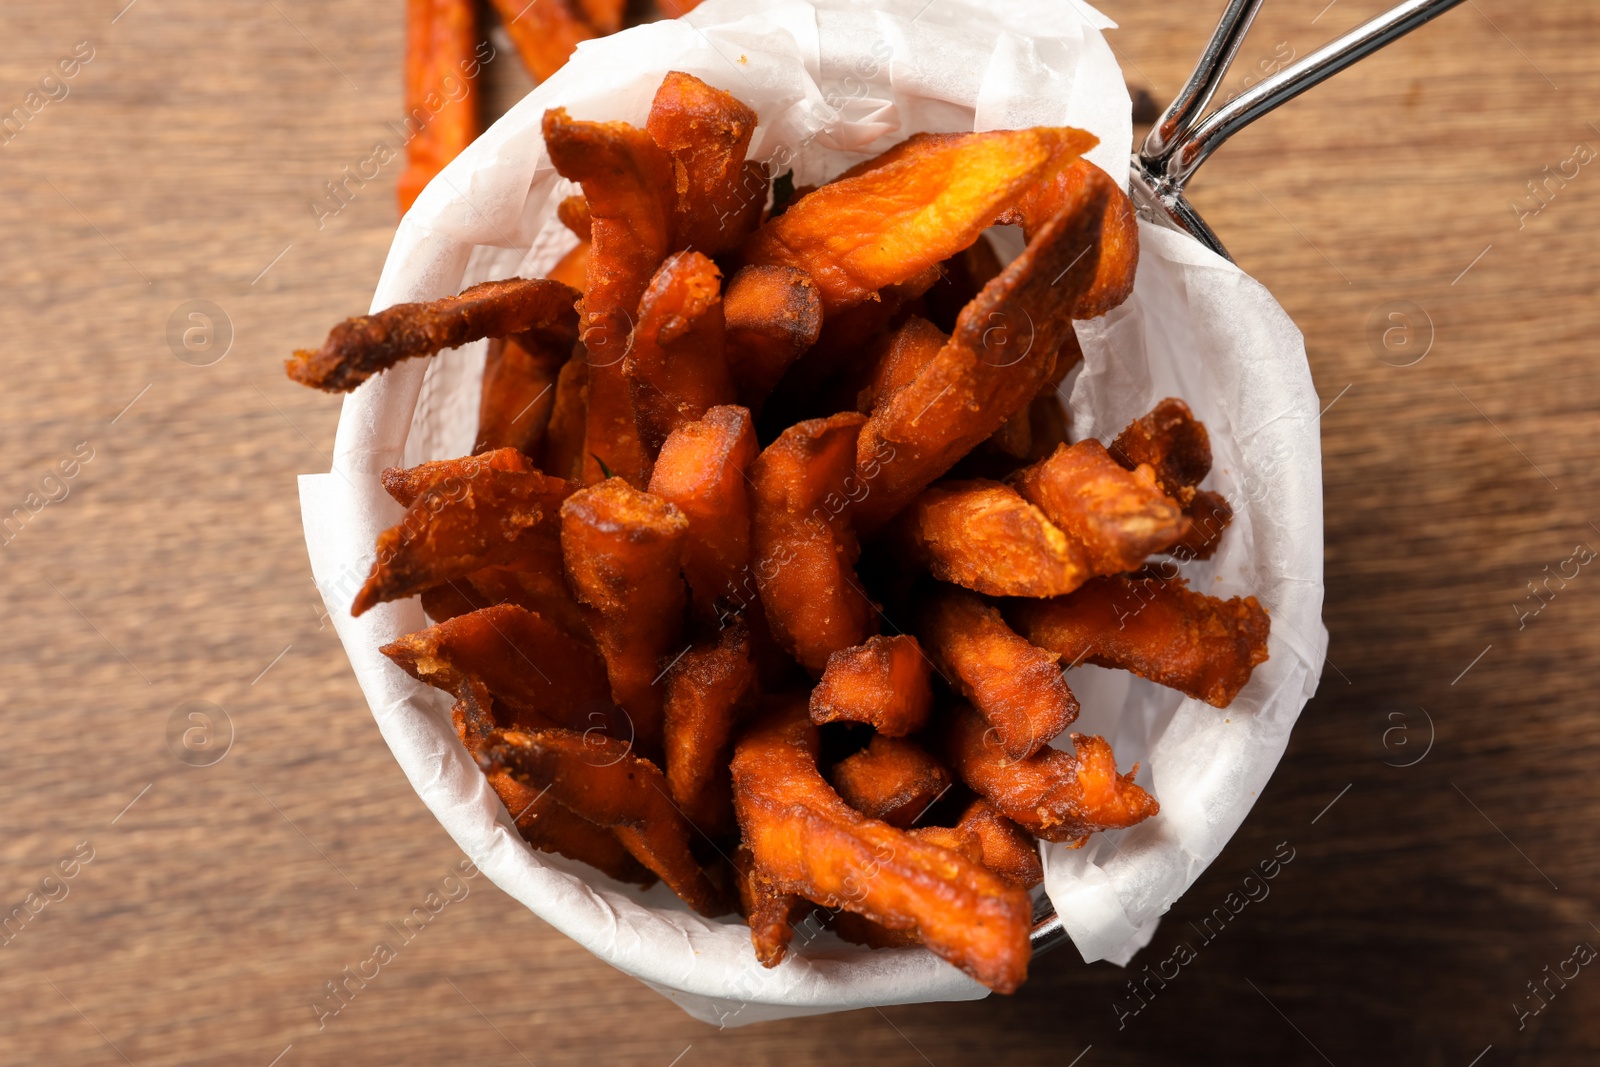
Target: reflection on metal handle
[{"x": 1181, "y": 140}]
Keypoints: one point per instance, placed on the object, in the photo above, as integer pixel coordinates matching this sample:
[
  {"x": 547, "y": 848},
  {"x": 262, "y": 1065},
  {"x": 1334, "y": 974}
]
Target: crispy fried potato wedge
[
  {"x": 807, "y": 840},
  {"x": 1004, "y": 847},
  {"x": 772, "y": 315},
  {"x": 1017, "y": 687},
  {"x": 1172, "y": 443},
  {"x": 1054, "y": 795},
  {"x": 1117, "y": 517},
  {"x": 1156, "y": 627},
  {"x": 627, "y": 181},
  {"x": 805, "y": 551},
  {"x": 599, "y": 778},
  {"x": 984, "y": 536},
  {"x": 703, "y": 472},
  {"x": 537, "y": 672},
  {"x": 905, "y": 351},
  {"x": 706, "y": 132},
  {"x": 883, "y": 682},
  {"x": 441, "y": 36},
  {"x": 543, "y": 822},
  {"x": 406, "y": 484},
  {"x": 623, "y": 550},
  {"x": 358, "y": 348},
  {"x": 1208, "y": 514},
  {"x": 675, "y": 366},
  {"x": 545, "y": 33},
  {"x": 573, "y": 211},
  {"x": 873, "y": 228},
  {"x": 893, "y": 779},
  {"x": 518, "y": 392},
  {"x": 705, "y": 690},
  {"x": 448, "y": 535},
  {"x": 1001, "y": 352}
]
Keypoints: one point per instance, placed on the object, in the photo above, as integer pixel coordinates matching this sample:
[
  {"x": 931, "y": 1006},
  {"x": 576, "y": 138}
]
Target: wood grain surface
[{"x": 1439, "y": 794}]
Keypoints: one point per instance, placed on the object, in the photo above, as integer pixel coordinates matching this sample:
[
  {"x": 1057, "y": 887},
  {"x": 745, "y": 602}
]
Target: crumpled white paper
[{"x": 836, "y": 81}]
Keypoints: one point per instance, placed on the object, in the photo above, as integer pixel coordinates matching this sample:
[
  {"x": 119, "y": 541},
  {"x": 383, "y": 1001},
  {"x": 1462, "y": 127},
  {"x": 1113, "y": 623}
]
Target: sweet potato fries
[{"x": 715, "y": 601}]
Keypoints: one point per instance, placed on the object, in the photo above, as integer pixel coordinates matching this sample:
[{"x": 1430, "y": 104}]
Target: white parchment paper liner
[{"x": 836, "y": 81}]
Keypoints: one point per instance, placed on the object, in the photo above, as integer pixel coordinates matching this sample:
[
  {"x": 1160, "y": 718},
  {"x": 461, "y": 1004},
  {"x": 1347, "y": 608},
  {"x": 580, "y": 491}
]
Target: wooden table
[{"x": 220, "y": 899}]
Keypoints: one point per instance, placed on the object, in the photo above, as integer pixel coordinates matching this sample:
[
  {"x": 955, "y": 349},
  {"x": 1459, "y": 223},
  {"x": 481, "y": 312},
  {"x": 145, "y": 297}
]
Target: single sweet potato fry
[
  {"x": 804, "y": 489},
  {"x": 893, "y": 779},
  {"x": 1117, "y": 517},
  {"x": 600, "y": 779},
  {"x": 627, "y": 181},
  {"x": 1208, "y": 514},
  {"x": 545, "y": 33},
  {"x": 706, "y": 132},
  {"x": 1002, "y": 350},
  {"x": 441, "y": 36},
  {"x": 702, "y": 471},
  {"x": 675, "y": 366},
  {"x": 358, "y": 348},
  {"x": 1055, "y": 795},
  {"x": 1156, "y": 627},
  {"x": 448, "y": 535},
  {"x": 1005, "y": 848},
  {"x": 537, "y": 672},
  {"x": 406, "y": 484},
  {"x": 765, "y": 908},
  {"x": 875, "y": 227},
  {"x": 912, "y": 346},
  {"x": 518, "y": 392},
  {"x": 1017, "y": 687},
  {"x": 563, "y": 439},
  {"x": 982, "y": 535},
  {"x": 1172, "y": 442},
  {"x": 623, "y": 550},
  {"x": 806, "y": 840},
  {"x": 883, "y": 682},
  {"x": 772, "y": 315},
  {"x": 544, "y": 823},
  {"x": 573, "y": 211},
  {"x": 705, "y": 689}
]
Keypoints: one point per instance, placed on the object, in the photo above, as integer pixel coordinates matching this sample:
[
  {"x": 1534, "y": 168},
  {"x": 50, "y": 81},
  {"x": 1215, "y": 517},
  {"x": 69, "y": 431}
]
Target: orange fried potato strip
[
  {"x": 883, "y": 682},
  {"x": 675, "y": 365},
  {"x": 706, "y": 132},
  {"x": 1119, "y": 240},
  {"x": 1156, "y": 627},
  {"x": 518, "y": 393},
  {"x": 705, "y": 690},
  {"x": 1002, "y": 350},
  {"x": 702, "y": 471},
  {"x": 406, "y": 484},
  {"x": 912, "y": 346},
  {"x": 563, "y": 439},
  {"x": 447, "y": 535},
  {"x": 773, "y": 314},
  {"x": 982, "y": 535},
  {"x": 1176, "y": 446},
  {"x": 1017, "y": 687},
  {"x": 600, "y": 779},
  {"x": 360, "y": 347},
  {"x": 535, "y": 670},
  {"x": 627, "y": 181},
  {"x": 545, "y": 32},
  {"x": 544, "y": 823},
  {"x": 765, "y": 908},
  {"x": 1004, "y": 847},
  {"x": 1117, "y": 516},
  {"x": 807, "y": 840},
  {"x": 573, "y": 211},
  {"x": 875, "y": 227},
  {"x": 623, "y": 549},
  {"x": 441, "y": 36},
  {"x": 892, "y": 779},
  {"x": 1054, "y": 795},
  {"x": 802, "y": 541}
]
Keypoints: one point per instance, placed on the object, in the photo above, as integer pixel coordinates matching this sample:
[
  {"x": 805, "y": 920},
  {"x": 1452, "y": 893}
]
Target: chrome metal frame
[{"x": 1181, "y": 140}]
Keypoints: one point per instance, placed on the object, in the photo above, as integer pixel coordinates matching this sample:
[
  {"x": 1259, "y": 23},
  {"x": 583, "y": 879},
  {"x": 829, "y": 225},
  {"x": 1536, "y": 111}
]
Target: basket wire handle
[{"x": 1181, "y": 140}]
